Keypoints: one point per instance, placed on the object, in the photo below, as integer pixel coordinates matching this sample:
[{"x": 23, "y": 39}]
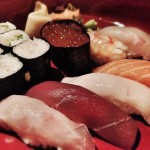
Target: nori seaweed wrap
[
  {"x": 70, "y": 46},
  {"x": 35, "y": 56},
  {"x": 12, "y": 76}
]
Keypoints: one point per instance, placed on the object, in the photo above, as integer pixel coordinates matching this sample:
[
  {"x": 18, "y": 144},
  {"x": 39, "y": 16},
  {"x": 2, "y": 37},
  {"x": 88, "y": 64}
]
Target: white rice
[
  {"x": 6, "y": 26},
  {"x": 1, "y": 50},
  {"x": 31, "y": 48},
  {"x": 13, "y": 38},
  {"x": 9, "y": 65}
]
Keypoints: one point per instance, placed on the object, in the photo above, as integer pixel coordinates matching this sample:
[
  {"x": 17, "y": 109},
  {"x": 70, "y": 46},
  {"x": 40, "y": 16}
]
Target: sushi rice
[
  {"x": 6, "y": 26},
  {"x": 1, "y": 50},
  {"x": 30, "y": 49},
  {"x": 13, "y": 38},
  {"x": 9, "y": 65}
]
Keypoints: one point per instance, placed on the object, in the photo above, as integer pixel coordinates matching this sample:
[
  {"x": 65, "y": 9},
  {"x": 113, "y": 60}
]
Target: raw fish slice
[
  {"x": 82, "y": 105},
  {"x": 138, "y": 41},
  {"x": 130, "y": 96},
  {"x": 39, "y": 125},
  {"x": 138, "y": 70}
]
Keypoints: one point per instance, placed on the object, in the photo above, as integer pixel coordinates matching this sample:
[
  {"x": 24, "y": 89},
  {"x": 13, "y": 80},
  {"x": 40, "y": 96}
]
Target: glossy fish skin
[
  {"x": 82, "y": 105},
  {"x": 39, "y": 125},
  {"x": 135, "y": 69},
  {"x": 124, "y": 93}
]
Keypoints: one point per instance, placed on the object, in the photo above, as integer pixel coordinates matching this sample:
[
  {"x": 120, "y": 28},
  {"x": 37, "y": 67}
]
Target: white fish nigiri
[
  {"x": 129, "y": 95},
  {"x": 39, "y": 125}
]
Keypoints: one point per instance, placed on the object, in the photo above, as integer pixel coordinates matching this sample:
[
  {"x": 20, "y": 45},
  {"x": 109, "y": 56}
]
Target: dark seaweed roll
[
  {"x": 12, "y": 75},
  {"x": 35, "y": 55},
  {"x": 70, "y": 46},
  {"x": 6, "y": 26}
]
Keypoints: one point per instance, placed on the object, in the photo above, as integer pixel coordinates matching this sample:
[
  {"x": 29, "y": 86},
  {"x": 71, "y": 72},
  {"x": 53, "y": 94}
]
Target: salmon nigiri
[{"x": 135, "y": 69}]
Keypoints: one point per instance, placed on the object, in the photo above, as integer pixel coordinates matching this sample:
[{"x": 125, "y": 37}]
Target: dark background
[{"x": 135, "y": 11}]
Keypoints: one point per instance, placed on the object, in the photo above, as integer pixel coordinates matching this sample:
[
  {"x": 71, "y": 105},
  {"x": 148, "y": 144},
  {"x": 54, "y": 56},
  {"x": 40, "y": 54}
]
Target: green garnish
[
  {"x": 3, "y": 26},
  {"x": 19, "y": 36},
  {"x": 91, "y": 25}
]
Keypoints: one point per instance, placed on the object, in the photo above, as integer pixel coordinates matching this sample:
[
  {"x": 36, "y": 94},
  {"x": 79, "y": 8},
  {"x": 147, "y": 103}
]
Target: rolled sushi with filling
[
  {"x": 69, "y": 46},
  {"x": 6, "y": 26},
  {"x": 36, "y": 58},
  {"x": 12, "y": 38},
  {"x": 12, "y": 76}
]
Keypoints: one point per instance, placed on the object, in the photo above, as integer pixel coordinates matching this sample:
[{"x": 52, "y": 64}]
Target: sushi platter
[{"x": 74, "y": 75}]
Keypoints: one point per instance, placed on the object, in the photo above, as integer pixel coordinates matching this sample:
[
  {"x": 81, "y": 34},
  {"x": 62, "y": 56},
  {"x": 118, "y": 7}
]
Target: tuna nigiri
[
  {"x": 129, "y": 95},
  {"x": 84, "y": 106},
  {"x": 39, "y": 125},
  {"x": 135, "y": 69}
]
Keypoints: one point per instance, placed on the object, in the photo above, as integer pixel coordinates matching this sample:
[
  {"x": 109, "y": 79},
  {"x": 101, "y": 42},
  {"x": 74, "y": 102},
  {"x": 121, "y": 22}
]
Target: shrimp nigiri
[
  {"x": 137, "y": 41},
  {"x": 104, "y": 48},
  {"x": 122, "y": 42}
]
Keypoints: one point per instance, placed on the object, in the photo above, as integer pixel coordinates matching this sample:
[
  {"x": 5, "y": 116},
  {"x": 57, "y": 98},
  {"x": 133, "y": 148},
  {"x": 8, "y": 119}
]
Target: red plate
[{"x": 134, "y": 13}]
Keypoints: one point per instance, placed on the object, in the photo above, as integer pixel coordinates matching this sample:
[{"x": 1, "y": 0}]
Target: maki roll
[
  {"x": 69, "y": 46},
  {"x": 12, "y": 75},
  {"x": 6, "y": 26},
  {"x": 36, "y": 58},
  {"x": 12, "y": 38}
]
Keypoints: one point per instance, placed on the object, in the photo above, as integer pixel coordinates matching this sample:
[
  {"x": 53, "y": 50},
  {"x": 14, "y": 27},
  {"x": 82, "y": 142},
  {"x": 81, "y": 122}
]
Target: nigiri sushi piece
[
  {"x": 39, "y": 125},
  {"x": 129, "y": 95},
  {"x": 137, "y": 41},
  {"x": 115, "y": 42},
  {"x": 84, "y": 106},
  {"x": 135, "y": 69},
  {"x": 104, "y": 49}
]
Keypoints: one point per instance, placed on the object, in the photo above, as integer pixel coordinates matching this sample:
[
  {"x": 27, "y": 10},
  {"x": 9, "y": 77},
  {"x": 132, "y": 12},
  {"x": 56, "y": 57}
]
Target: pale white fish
[
  {"x": 129, "y": 95},
  {"x": 39, "y": 125}
]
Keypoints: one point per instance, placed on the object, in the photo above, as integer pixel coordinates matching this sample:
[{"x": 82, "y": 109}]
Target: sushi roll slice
[
  {"x": 36, "y": 58},
  {"x": 12, "y": 75},
  {"x": 12, "y": 38},
  {"x": 6, "y": 26},
  {"x": 69, "y": 46}
]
